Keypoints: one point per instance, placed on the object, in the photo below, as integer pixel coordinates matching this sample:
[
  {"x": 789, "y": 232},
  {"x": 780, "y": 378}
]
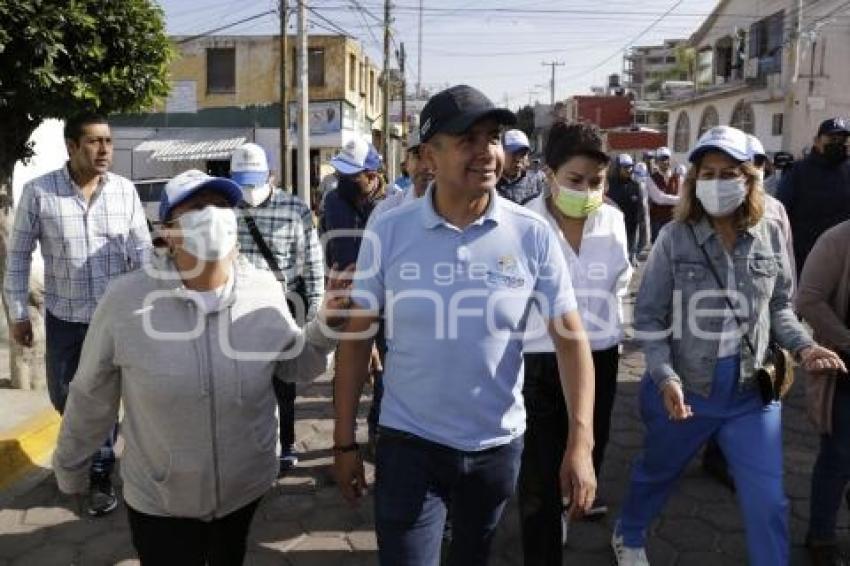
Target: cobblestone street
[{"x": 303, "y": 520}]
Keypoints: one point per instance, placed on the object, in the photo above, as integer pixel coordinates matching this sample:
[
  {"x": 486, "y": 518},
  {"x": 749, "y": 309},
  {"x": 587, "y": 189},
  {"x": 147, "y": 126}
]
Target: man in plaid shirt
[
  {"x": 91, "y": 228},
  {"x": 285, "y": 223}
]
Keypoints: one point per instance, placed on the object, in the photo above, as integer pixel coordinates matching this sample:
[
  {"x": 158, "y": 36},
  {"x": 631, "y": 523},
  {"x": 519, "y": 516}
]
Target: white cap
[
  {"x": 625, "y": 159},
  {"x": 681, "y": 170},
  {"x": 663, "y": 151},
  {"x": 249, "y": 165},
  {"x": 515, "y": 140},
  {"x": 640, "y": 169},
  {"x": 190, "y": 182},
  {"x": 356, "y": 156},
  {"x": 756, "y": 149},
  {"x": 731, "y": 141}
]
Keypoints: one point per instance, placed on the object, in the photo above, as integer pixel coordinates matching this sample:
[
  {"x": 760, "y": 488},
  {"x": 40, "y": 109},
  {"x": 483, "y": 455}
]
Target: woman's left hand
[
  {"x": 817, "y": 359},
  {"x": 337, "y": 303}
]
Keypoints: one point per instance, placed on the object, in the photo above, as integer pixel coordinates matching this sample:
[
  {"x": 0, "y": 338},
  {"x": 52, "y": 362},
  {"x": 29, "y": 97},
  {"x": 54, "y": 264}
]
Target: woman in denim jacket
[{"x": 700, "y": 378}]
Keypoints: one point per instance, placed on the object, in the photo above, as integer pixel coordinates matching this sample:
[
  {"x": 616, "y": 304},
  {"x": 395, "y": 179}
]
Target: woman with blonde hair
[{"x": 715, "y": 292}]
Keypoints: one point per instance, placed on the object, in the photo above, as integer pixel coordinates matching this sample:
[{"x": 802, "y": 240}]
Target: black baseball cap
[
  {"x": 456, "y": 109},
  {"x": 834, "y": 126}
]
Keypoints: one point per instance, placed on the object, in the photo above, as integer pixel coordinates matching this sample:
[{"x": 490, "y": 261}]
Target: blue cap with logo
[
  {"x": 834, "y": 126},
  {"x": 191, "y": 182}
]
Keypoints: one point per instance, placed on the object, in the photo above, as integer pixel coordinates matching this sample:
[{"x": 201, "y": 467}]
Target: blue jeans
[
  {"x": 415, "y": 479},
  {"x": 832, "y": 468},
  {"x": 64, "y": 345},
  {"x": 750, "y": 435}
]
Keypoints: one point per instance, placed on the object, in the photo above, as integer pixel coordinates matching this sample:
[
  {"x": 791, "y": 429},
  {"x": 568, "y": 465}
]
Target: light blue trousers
[{"x": 750, "y": 435}]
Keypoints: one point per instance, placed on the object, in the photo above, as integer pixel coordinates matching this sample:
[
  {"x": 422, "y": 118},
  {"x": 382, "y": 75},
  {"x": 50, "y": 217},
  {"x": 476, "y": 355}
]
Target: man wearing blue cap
[
  {"x": 516, "y": 183},
  {"x": 277, "y": 233},
  {"x": 453, "y": 274},
  {"x": 816, "y": 191},
  {"x": 348, "y": 207},
  {"x": 628, "y": 196},
  {"x": 92, "y": 228}
]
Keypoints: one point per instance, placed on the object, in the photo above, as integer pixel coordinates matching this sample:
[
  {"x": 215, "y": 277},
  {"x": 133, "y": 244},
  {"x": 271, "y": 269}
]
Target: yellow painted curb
[{"x": 28, "y": 444}]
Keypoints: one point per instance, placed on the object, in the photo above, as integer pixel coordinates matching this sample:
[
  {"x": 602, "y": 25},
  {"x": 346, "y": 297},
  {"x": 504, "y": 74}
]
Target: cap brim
[
  {"x": 834, "y": 131},
  {"x": 515, "y": 148},
  {"x": 345, "y": 168},
  {"x": 226, "y": 187},
  {"x": 462, "y": 123},
  {"x": 740, "y": 157}
]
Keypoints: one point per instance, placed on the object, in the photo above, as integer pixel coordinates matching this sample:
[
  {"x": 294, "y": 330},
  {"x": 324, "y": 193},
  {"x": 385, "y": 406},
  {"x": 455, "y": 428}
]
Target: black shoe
[
  {"x": 597, "y": 510},
  {"x": 826, "y": 554},
  {"x": 101, "y": 498},
  {"x": 288, "y": 459}
]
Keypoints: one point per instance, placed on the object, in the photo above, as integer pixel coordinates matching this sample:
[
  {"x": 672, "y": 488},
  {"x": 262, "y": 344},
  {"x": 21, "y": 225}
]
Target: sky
[{"x": 498, "y": 46}]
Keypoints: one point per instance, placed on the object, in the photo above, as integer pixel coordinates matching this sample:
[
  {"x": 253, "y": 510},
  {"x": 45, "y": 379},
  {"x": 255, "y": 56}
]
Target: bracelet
[{"x": 353, "y": 447}]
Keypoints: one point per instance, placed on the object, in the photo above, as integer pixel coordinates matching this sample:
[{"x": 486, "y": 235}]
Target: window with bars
[{"x": 682, "y": 133}]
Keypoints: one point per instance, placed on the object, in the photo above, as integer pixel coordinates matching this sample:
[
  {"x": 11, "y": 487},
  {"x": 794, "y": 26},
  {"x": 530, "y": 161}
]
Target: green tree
[
  {"x": 525, "y": 120},
  {"x": 63, "y": 57}
]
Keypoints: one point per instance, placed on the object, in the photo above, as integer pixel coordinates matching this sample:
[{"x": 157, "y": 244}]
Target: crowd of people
[{"x": 482, "y": 298}]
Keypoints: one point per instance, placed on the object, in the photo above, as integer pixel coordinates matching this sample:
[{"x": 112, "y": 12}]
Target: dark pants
[
  {"x": 167, "y": 541},
  {"x": 378, "y": 383},
  {"x": 545, "y": 441},
  {"x": 655, "y": 227},
  {"x": 64, "y": 345},
  {"x": 414, "y": 480},
  {"x": 633, "y": 237},
  {"x": 284, "y": 392},
  {"x": 832, "y": 468}
]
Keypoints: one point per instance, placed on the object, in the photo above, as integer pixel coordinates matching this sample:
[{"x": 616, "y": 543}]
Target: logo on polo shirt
[{"x": 506, "y": 274}]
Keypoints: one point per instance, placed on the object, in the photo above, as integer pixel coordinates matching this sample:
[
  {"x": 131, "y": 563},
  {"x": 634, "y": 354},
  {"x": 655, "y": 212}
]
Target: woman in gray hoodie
[{"x": 190, "y": 346}]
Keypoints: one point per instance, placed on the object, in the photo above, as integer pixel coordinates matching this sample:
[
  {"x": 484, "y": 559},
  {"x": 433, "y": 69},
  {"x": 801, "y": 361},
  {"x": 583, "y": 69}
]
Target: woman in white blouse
[{"x": 593, "y": 239}]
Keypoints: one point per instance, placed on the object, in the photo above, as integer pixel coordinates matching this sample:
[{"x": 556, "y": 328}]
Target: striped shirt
[
  {"x": 287, "y": 226},
  {"x": 84, "y": 245}
]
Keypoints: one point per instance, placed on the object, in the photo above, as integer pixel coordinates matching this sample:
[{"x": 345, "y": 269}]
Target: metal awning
[{"x": 193, "y": 144}]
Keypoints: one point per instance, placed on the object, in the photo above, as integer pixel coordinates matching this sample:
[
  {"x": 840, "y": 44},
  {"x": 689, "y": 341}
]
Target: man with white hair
[
  {"x": 516, "y": 183},
  {"x": 277, "y": 234}
]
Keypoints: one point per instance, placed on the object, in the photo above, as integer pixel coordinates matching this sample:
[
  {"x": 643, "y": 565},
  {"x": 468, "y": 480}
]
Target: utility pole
[
  {"x": 552, "y": 64},
  {"x": 386, "y": 106},
  {"x": 303, "y": 106},
  {"x": 419, "y": 57},
  {"x": 401, "y": 55},
  {"x": 285, "y": 171},
  {"x": 794, "y": 74}
]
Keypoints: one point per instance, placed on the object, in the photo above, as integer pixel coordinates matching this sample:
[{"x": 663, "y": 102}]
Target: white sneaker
[
  {"x": 565, "y": 527},
  {"x": 625, "y": 556}
]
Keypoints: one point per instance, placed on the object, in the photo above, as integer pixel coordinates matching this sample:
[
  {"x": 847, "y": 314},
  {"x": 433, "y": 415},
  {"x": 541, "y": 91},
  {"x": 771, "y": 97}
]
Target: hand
[
  {"x": 375, "y": 366},
  {"x": 817, "y": 359},
  {"x": 578, "y": 480},
  {"x": 22, "y": 333},
  {"x": 674, "y": 401},
  {"x": 350, "y": 475},
  {"x": 337, "y": 297}
]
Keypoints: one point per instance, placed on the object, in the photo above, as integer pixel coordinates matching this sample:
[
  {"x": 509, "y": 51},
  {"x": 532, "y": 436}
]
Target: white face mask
[
  {"x": 209, "y": 234},
  {"x": 255, "y": 196},
  {"x": 721, "y": 197}
]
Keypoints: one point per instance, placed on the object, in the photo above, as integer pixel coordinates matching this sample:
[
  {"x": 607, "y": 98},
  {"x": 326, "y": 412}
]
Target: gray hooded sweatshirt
[{"x": 199, "y": 410}]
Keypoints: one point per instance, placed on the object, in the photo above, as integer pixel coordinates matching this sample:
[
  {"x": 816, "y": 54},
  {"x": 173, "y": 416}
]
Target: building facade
[
  {"x": 226, "y": 91},
  {"x": 756, "y": 73},
  {"x": 646, "y": 71}
]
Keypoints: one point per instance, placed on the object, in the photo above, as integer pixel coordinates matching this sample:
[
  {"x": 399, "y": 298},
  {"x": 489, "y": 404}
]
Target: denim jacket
[{"x": 679, "y": 311}]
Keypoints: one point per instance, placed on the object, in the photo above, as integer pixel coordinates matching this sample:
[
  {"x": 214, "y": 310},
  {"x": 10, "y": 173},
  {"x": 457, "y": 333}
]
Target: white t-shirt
[{"x": 600, "y": 274}]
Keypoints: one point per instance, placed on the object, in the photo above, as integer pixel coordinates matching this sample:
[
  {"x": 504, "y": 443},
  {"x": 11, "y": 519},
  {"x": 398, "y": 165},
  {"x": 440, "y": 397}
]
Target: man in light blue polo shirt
[{"x": 453, "y": 274}]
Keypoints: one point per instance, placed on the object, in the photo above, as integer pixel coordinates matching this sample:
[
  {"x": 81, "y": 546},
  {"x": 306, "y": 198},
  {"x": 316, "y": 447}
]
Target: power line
[
  {"x": 226, "y": 26},
  {"x": 630, "y": 43}
]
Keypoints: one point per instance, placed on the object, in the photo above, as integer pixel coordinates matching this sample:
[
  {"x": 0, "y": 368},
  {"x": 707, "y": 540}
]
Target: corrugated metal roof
[{"x": 193, "y": 144}]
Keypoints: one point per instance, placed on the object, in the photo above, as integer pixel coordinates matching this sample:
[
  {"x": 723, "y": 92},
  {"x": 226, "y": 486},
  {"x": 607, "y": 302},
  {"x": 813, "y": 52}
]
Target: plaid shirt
[
  {"x": 84, "y": 245},
  {"x": 287, "y": 226}
]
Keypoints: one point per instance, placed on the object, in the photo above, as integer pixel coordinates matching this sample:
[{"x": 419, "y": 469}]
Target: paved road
[{"x": 303, "y": 521}]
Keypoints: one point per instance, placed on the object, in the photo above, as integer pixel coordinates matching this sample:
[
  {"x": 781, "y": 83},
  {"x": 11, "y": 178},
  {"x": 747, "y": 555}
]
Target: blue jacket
[
  {"x": 673, "y": 320},
  {"x": 816, "y": 195},
  {"x": 344, "y": 213}
]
